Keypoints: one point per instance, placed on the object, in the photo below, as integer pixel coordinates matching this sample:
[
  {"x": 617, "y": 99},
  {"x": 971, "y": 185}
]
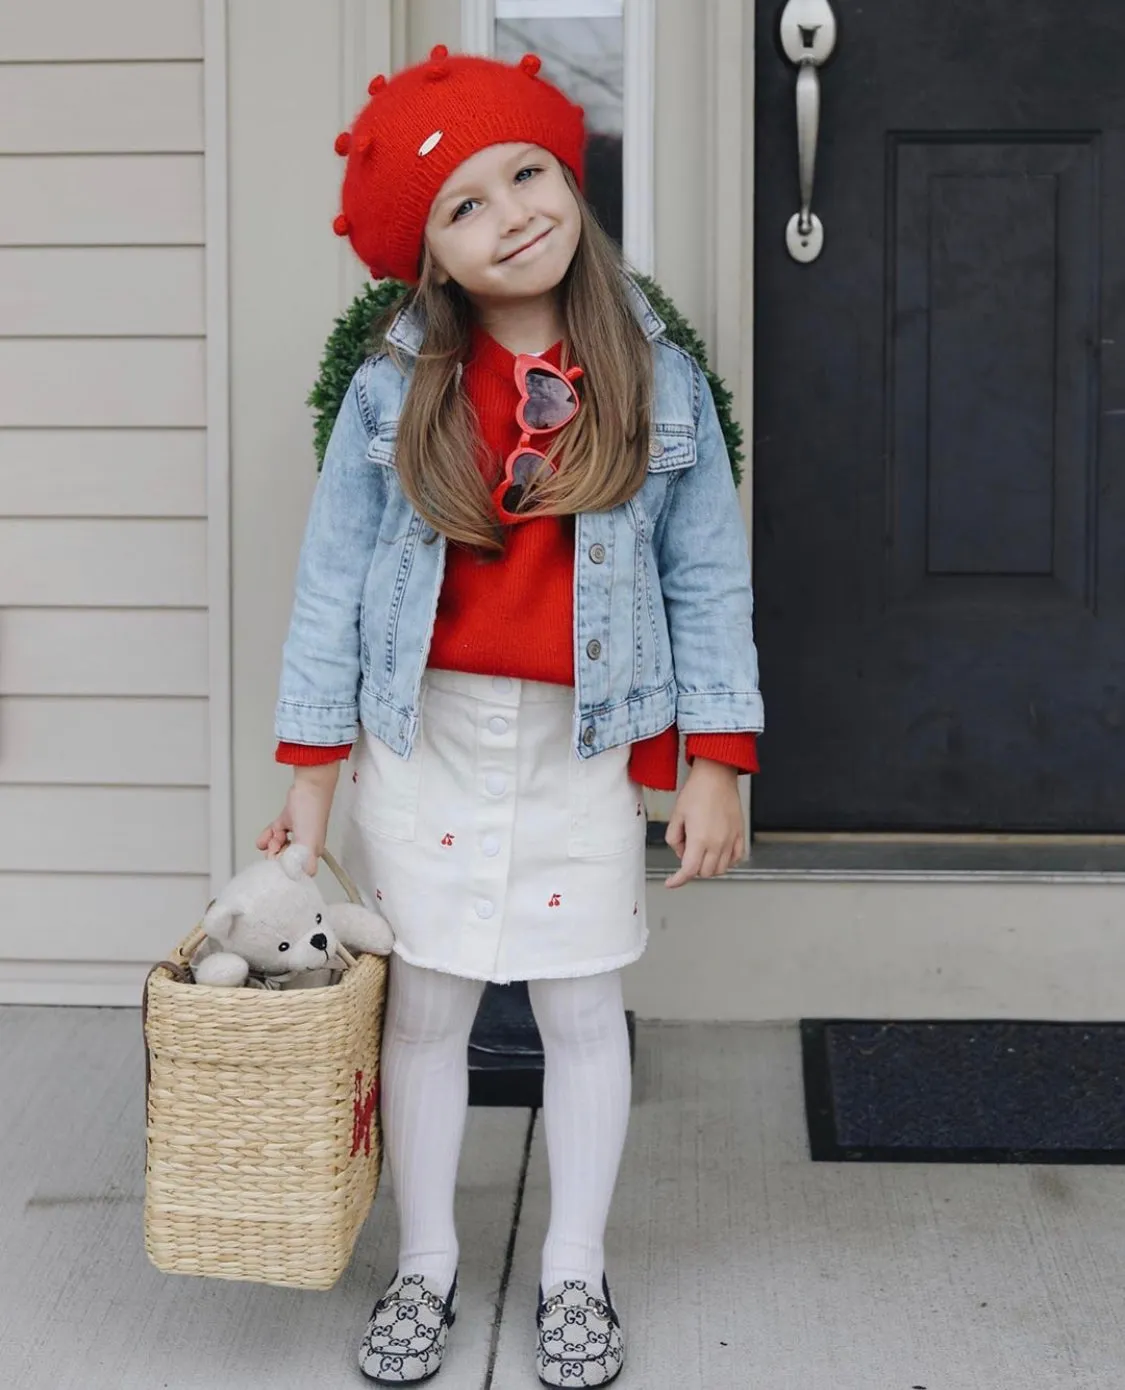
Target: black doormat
[
  {"x": 964, "y": 1092},
  {"x": 506, "y": 1051}
]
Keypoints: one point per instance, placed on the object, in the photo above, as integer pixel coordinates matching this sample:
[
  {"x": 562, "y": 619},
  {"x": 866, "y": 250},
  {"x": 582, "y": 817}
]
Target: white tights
[{"x": 586, "y": 1093}]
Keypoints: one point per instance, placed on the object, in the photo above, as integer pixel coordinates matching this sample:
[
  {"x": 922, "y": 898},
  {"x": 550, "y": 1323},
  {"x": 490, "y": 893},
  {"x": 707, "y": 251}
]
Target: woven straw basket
[{"x": 263, "y": 1139}]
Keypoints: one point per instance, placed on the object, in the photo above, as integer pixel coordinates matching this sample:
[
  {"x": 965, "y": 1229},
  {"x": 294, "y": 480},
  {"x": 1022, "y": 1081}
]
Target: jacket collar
[{"x": 408, "y": 328}]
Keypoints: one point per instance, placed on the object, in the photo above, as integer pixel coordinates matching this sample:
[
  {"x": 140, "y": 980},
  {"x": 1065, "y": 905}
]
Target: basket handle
[{"x": 341, "y": 877}]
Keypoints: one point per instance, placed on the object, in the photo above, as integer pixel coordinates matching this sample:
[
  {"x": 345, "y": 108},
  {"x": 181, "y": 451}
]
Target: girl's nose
[{"x": 514, "y": 214}]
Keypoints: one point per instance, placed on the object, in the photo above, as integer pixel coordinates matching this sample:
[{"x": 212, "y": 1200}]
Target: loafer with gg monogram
[
  {"x": 405, "y": 1338},
  {"x": 580, "y": 1341}
]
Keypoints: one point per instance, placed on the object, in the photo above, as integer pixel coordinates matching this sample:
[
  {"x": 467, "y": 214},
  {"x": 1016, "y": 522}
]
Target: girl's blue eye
[
  {"x": 530, "y": 170},
  {"x": 466, "y": 206}
]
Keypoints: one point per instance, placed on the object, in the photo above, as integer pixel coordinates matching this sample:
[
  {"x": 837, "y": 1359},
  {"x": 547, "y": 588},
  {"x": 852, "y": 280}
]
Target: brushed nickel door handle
[{"x": 808, "y": 36}]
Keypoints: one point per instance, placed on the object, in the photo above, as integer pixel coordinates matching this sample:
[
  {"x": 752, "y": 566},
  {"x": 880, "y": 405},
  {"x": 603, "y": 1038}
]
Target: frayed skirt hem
[{"x": 577, "y": 971}]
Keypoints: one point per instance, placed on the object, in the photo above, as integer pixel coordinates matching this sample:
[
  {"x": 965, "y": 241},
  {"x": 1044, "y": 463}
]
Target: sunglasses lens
[
  {"x": 551, "y": 400},
  {"x": 525, "y": 468}
]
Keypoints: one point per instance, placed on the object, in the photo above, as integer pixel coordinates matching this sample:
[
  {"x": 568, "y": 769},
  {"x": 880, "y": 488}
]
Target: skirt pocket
[
  {"x": 607, "y": 813},
  {"x": 387, "y": 789}
]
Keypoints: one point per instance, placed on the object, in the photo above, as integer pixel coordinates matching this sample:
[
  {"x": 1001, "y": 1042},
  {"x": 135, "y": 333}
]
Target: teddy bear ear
[
  {"x": 294, "y": 859},
  {"x": 218, "y": 921}
]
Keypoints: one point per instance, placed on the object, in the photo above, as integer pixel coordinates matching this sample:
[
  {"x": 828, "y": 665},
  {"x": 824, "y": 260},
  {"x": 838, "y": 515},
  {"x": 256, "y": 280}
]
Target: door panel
[{"x": 939, "y": 466}]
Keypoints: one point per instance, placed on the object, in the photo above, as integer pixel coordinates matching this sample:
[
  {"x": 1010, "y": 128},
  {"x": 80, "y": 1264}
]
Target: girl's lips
[{"x": 524, "y": 249}]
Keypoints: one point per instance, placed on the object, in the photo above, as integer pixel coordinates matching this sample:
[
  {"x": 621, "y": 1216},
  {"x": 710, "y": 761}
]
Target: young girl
[{"x": 524, "y": 571}]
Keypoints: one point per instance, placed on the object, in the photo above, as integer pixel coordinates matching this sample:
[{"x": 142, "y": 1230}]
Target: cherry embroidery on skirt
[
  {"x": 555, "y": 900},
  {"x": 447, "y": 839}
]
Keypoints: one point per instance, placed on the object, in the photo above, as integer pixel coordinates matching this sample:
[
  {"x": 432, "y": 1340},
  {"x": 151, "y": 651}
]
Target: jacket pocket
[
  {"x": 607, "y": 814},
  {"x": 388, "y": 789}
]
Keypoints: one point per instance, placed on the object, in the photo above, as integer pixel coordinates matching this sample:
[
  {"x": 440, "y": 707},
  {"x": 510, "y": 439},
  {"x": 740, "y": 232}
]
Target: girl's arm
[
  {"x": 705, "y": 579},
  {"x": 304, "y": 817},
  {"x": 318, "y": 697},
  {"x": 704, "y": 565}
]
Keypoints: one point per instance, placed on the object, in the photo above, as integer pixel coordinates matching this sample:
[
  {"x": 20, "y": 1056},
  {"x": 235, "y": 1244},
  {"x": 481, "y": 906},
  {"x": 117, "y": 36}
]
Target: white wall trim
[
  {"x": 218, "y": 438},
  {"x": 559, "y": 9},
  {"x": 729, "y": 249},
  {"x": 775, "y": 952},
  {"x": 639, "y": 153},
  {"x": 478, "y": 26},
  {"x": 728, "y": 153},
  {"x": 111, "y": 984}
]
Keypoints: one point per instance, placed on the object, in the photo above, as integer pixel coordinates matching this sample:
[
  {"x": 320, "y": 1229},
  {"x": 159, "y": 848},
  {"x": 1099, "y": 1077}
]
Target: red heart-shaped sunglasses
[{"x": 548, "y": 401}]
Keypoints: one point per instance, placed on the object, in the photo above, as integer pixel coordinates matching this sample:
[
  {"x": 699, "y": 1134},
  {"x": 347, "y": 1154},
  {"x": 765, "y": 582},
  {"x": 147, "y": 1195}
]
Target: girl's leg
[
  {"x": 425, "y": 1100},
  {"x": 586, "y": 1093}
]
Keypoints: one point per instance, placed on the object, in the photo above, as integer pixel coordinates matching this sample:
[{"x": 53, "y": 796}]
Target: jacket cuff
[
  {"x": 736, "y": 750},
  {"x": 309, "y": 755}
]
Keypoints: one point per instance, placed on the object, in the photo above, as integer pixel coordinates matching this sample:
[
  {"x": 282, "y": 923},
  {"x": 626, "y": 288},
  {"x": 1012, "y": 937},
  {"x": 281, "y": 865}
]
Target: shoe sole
[{"x": 376, "y": 1380}]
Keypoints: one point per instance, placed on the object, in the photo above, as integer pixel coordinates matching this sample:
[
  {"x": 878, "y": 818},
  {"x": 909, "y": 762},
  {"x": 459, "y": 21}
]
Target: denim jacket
[{"x": 662, "y": 592}]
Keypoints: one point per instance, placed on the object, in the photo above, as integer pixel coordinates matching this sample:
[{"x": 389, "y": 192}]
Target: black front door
[{"x": 939, "y": 423}]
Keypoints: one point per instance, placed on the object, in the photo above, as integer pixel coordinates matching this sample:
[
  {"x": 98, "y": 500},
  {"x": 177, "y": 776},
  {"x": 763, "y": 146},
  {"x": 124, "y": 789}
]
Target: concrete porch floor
[{"x": 737, "y": 1264}]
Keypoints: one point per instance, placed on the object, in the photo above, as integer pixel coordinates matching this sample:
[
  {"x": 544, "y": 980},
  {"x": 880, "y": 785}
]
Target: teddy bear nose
[{"x": 319, "y": 941}]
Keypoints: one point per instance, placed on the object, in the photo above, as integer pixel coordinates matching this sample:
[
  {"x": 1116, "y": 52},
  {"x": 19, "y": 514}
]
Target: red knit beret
[{"x": 420, "y": 125}]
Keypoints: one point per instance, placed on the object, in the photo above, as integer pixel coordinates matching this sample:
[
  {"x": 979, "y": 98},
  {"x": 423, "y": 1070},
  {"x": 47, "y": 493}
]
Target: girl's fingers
[
  {"x": 689, "y": 867},
  {"x": 674, "y": 835},
  {"x": 701, "y": 861},
  {"x": 709, "y": 866}
]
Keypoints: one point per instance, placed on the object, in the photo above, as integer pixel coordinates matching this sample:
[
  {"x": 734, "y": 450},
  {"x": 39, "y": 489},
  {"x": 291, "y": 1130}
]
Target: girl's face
[{"x": 505, "y": 224}]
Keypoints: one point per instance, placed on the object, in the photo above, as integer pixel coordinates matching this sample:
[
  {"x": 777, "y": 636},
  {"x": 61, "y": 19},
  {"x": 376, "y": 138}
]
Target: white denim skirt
[{"x": 494, "y": 851}]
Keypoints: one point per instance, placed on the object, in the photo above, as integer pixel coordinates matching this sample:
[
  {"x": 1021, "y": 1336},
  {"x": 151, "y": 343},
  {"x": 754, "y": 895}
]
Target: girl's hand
[
  {"x": 305, "y": 814},
  {"x": 706, "y": 825}
]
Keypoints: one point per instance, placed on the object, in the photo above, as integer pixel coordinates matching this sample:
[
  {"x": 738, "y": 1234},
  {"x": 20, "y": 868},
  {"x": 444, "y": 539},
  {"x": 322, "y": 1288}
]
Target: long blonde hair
[{"x": 602, "y": 454}]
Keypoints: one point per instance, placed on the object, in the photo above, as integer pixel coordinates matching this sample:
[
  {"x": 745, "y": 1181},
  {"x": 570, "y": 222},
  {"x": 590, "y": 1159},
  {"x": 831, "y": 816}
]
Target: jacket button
[
  {"x": 593, "y": 649},
  {"x": 597, "y": 553},
  {"x": 656, "y": 449},
  {"x": 588, "y": 736}
]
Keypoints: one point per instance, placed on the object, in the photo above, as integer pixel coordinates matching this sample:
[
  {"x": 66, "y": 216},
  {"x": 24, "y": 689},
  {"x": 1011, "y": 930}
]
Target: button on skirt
[{"x": 494, "y": 851}]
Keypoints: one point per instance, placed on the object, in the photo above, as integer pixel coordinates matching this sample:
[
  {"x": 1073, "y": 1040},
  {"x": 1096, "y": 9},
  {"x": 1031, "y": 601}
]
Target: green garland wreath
[{"x": 354, "y": 339}]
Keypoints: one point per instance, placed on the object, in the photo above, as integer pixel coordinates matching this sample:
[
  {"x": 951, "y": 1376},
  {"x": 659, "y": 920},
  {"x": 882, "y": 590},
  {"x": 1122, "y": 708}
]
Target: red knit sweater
[{"x": 514, "y": 615}]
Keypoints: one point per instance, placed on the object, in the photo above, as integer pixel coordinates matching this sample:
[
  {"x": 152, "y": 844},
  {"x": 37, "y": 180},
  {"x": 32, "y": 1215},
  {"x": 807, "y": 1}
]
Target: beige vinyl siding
[
  {"x": 102, "y": 291},
  {"x": 103, "y": 651},
  {"x": 113, "y": 472},
  {"x": 68, "y": 31},
  {"x": 105, "y": 748}
]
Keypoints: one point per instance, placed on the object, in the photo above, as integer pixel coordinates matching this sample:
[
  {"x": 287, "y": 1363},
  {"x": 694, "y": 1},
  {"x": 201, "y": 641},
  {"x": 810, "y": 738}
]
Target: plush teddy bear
[{"x": 271, "y": 928}]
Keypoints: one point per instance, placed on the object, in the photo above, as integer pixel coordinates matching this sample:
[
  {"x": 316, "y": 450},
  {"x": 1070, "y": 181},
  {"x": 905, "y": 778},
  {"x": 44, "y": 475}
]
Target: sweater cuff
[
  {"x": 653, "y": 762},
  {"x": 310, "y": 755},
  {"x": 736, "y": 750}
]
